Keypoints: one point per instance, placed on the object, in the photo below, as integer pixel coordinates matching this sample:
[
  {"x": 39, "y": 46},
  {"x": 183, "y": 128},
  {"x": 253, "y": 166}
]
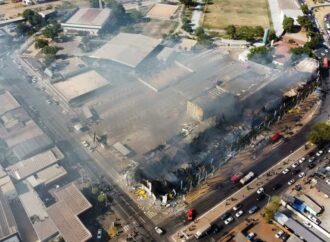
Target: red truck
[
  {"x": 325, "y": 63},
  {"x": 190, "y": 214}
]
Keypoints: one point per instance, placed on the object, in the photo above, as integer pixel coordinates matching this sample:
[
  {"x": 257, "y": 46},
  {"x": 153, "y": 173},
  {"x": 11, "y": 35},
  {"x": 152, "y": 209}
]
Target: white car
[
  {"x": 229, "y": 220},
  {"x": 99, "y": 234},
  {"x": 327, "y": 181},
  {"x": 159, "y": 230},
  {"x": 279, "y": 234},
  {"x": 319, "y": 153},
  {"x": 238, "y": 206},
  {"x": 294, "y": 165},
  {"x": 308, "y": 224},
  {"x": 328, "y": 150},
  {"x": 285, "y": 171},
  {"x": 239, "y": 213},
  {"x": 302, "y": 160},
  {"x": 291, "y": 182},
  {"x": 260, "y": 190},
  {"x": 301, "y": 174}
]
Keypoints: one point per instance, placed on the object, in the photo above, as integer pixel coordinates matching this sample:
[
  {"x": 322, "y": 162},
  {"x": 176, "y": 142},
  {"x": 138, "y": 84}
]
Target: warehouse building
[
  {"x": 70, "y": 203},
  {"x": 296, "y": 227},
  {"x": 127, "y": 49},
  {"x": 88, "y": 20},
  {"x": 34, "y": 164},
  {"x": 8, "y": 227},
  {"x": 81, "y": 85}
]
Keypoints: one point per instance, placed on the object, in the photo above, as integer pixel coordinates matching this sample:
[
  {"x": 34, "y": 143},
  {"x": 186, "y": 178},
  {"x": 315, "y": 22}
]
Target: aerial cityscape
[{"x": 164, "y": 120}]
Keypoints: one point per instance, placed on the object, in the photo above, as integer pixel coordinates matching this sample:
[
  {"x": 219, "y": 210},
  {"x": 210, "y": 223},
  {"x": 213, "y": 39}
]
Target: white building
[{"x": 90, "y": 20}]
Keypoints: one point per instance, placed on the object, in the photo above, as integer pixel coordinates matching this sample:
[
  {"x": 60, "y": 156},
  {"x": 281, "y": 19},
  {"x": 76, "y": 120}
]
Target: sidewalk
[{"x": 213, "y": 214}]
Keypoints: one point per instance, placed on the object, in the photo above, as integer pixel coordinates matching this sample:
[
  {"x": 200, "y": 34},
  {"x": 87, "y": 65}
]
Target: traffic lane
[{"x": 250, "y": 201}]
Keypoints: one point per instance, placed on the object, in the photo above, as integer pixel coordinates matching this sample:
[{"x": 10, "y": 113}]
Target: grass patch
[{"x": 221, "y": 13}]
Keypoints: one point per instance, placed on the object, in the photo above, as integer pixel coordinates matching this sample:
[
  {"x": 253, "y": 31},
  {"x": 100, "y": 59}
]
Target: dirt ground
[
  {"x": 12, "y": 10},
  {"x": 221, "y": 13}
]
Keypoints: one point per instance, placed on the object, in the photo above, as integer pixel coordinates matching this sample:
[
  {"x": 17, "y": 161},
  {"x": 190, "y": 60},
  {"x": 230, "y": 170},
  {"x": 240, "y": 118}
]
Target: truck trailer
[
  {"x": 201, "y": 231},
  {"x": 246, "y": 179}
]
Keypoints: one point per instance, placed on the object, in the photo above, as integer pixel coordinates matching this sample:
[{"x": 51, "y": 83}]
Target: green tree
[
  {"x": 50, "y": 50},
  {"x": 23, "y": 29},
  {"x": 272, "y": 208},
  {"x": 33, "y": 18},
  {"x": 260, "y": 55},
  {"x": 118, "y": 16},
  {"x": 101, "y": 198},
  {"x": 272, "y": 35},
  {"x": 187, "y": 2},
  {"x": 231, "y": 31},
  {"x": 40, "y": 43},
  {"x": 304, "y": 8},
  {"x": 304, "y": 22},
  {"x": 95, "y": 190},
  {"x": 288, "y": 24},
  {"x": 319, "y": 134},
  {"x": 52, "y": 30}
]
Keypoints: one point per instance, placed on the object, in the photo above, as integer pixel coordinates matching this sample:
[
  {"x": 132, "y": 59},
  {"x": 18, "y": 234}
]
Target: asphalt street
[
  {"x": 228, "y": 188},
  {"x": 269, "y": 190},
  {"x": 56, "y": 124}
]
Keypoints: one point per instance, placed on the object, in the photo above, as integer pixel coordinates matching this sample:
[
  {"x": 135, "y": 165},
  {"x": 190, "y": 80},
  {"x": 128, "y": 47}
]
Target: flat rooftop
[
  {"x": 80, "y": 85},
  {"x": 8, "y": 102},
  {"x": 70, "y": 203},
  {"x": 162, "y": 11},
  {"x": 36, "y": 211},
  {"x": 127, "y": 49},
  {"x": 7, "y": 221},
  {"x": 47, "y": 176},
  {"x": 89, "y": 17},
  {"x": 25, "y": 168}
]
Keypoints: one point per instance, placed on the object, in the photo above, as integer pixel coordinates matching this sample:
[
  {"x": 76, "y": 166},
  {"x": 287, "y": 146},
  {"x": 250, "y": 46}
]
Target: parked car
[
  {"x": 159, "y": 230},
  {"x": 302, "y": 159},
  {"x": 260, "y": 190},
  {"x": 260, "y": 197},
  {"x": 319, "y": 153},
  {"x": 279, "y": 234},
  {"x": 251, "y": 235},
  {"x": 294, "y": 165},
  {"x": 291, "y": 182},
  {"x": 229, "y": 220},
  {"x": 311, "y": 166},
  {"x": 224, "y": 216},
  {"x": 239, "y": 213},
  {"x": 238, "y": 206},
  {"x": 301, "y": 174},
  {"x": 253, "y": 209},
  {"x": 99, "y": 234},
  {"x": 285, "y": 171}
]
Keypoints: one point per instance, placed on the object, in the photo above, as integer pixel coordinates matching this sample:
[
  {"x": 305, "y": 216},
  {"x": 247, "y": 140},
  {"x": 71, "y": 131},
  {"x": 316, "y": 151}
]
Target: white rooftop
[
  {"x": 25, "y": 168},
  {"x": 89, "y": 17},
  {"x": 81, "y": 84},
  {"x": 128, "y": 49}
]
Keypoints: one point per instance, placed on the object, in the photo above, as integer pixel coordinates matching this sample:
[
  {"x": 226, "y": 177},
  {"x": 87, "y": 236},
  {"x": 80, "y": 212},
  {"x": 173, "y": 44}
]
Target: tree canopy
[
  {"x": 272, "y": 207},
  {"x": 288, "y": 24},
  {"x": 304, "y": 8},
  {"x": 261, "y": 55},
  {"x": 245, "y": 32},
  {"x": 40, "y": 43},
  {"x": 319, "y": 134},
  {"x": 50, "y": 50},
  {"x": 52, "y": 30},
  {"x": 34, "y": 19},
  {"x": 304, "y": 22}
]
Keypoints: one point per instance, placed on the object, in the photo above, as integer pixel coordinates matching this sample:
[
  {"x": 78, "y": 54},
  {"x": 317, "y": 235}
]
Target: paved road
[
  {"x": 281, "y": 179},
  {"x": 55, "y": 124},
  {"x": 228, "y": 188}
]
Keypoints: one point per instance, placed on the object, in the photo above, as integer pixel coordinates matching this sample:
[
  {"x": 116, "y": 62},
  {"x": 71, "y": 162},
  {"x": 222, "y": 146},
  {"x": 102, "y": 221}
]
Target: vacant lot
[{"x": 221, "y": 13}]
